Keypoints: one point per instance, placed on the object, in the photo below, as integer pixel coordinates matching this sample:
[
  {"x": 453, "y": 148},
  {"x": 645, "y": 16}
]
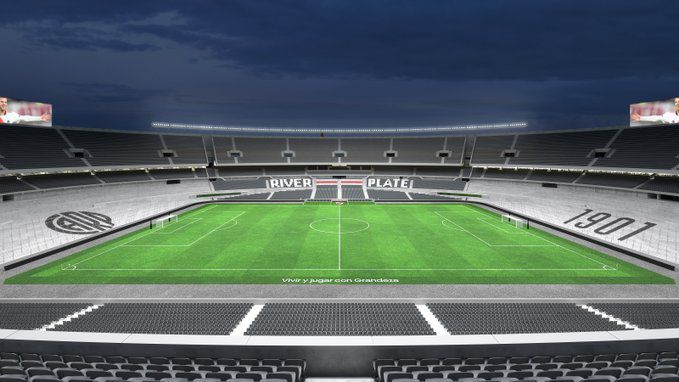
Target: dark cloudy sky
[{"x": 327, "y": 63}]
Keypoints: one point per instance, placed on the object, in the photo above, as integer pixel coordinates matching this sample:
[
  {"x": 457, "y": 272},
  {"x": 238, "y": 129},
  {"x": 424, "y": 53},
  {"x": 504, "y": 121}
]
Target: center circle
[{"x": 339, "y": 226}]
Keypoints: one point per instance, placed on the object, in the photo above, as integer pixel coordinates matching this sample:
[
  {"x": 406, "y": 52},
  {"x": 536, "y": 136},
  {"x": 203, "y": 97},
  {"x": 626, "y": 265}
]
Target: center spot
[{"x": 332, "y": 225}]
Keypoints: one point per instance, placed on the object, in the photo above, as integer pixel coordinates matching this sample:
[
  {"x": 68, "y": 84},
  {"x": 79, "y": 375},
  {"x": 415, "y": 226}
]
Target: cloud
[
  {"x": 101, "y": 92},
  {"x": 373, "y": 62}
]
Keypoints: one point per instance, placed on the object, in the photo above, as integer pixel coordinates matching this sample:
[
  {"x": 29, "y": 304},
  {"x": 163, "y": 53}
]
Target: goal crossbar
[
  {"x": 516, "y": 221},
  {"x": 162, "y": 221}
]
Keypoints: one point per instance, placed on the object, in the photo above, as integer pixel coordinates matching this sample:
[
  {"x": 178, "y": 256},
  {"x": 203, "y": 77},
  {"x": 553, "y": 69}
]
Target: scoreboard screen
[
  {"x": 17, "y": 112},
  {"x": 654, "y": 113}
]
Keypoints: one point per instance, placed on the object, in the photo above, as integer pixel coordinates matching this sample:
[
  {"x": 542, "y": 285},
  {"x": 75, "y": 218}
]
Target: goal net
[
  {"x": 163, "y": 221},
  {"x": 515, "y": 221}
]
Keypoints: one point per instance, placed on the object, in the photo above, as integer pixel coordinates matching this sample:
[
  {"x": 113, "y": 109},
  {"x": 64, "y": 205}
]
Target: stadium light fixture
[{"x": 295, "y": 130}]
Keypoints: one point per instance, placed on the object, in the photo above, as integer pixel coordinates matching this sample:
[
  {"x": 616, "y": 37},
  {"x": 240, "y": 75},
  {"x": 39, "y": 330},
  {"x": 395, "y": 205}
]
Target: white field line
[
  {"x": 106, "y": 251},
  {"x": 449, "y": 227},
  {"x": 68, "y": 318},
  {"x": 235, "y": 222},
  {"x": 192, "y": 220},
  {"x": 339, "y": 236},
  {"x": 219, "y": 226},
  {"x": 73, "y": 266},
  {"x": 334, "y": 269},
  {"x": 516, "y": 231},
  {"x": 205, "y": 210},
  {"x": 185, "y": 245},
  {"x": 493, "y": 245},
  {"x": 573, "y": 251},
  {"x": 462, "y": 228},
  {"x": 247, "y": 320},
  {"x": 605, "y": 266},
  {"x": 493, "y": 225},
  {"x": 432, "y": 320},
  {"x": 609, "y": 317}
]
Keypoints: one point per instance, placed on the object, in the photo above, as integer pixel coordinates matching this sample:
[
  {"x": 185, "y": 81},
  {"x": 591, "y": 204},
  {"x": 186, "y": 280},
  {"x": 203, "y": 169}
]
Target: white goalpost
[
  {"x": 516, "y": 221},
  {"x": 162, "y": 221}
]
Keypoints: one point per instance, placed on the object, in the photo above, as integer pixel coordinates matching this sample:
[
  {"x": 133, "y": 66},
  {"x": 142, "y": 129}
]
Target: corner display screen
[
  {"x": 16, "y": 112},
  {"x": 654, "y": 113}
]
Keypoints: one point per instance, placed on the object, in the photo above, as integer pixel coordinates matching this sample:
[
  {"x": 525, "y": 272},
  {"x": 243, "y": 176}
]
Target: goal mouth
[
  {"x": 339, "y": 201},
  {"x": 163, "y": 221},
  {"x": 515, "y": 221}
]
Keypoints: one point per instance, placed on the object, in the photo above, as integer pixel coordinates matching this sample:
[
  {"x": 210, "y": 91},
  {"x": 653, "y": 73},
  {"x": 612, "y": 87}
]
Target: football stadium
[{"x": 317, "y": 201}]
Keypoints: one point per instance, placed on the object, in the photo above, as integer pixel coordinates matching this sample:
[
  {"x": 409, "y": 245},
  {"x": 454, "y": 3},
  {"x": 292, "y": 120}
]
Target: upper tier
[{"x": 647, "y": 149}]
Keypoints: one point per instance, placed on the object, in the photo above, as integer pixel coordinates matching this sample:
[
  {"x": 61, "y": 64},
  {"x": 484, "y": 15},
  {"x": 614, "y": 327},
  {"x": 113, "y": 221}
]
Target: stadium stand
[
  {"x": 252, "y": 196},
  {"x": 185, "y": 173},
  {"x": 378, "y": 194},
  {"x": 24, "y": 148},
  {"x": 45, "y": 148},
  {"x": 106, "y": 367},
  {"x": 239, "y": 184},
  {"x": 661, "y": 142},
  {"x": 234, "y": 172},
  {"x": 189, "y": 149},
  {"x": 291, "y": 194},
  {"x": 488, "y": 149},
  {"x": 393, "y": 170},
  {"x": 61, "y": 180},
  {"x": 476, "y": 172},
  {"x": 123, "y": 202},
  {"x": 326, "y": 192},
  {"x": 559, "y": 205},
  {"x": 456, "y": 147},
  {"x": 507, "y": 173},
  {"x": 469, "y": 318},
  {"x": 554, "y": 176},
  {"x": 353, "y": 193},
  {"x": 283, "y": 171},
  {"x": 221, "y": 147},
  {"x": 313, "y": 150},
  {"x": 261, "y": 150},
  {"x": 118, "y": 149},
  {"x": 560, "y": 149},
  {"x": 339, "y": 319},
  {"x": 419, "y": 150},
  {"x": 648, "y": 316},
  {"x": 439, "y": 184},
  {"x": 418, "y": 196},
  {"x": 30, "y": 316},
  {"x": 603, "y": 367},
  {"x": 123, "y": 176},
  {"x": 612, "y": 180},
  {"x": 10, "y": 184},
  {"x": 365, "y": 150},
  {"x": 445, "y": 172},
  {"x": 662, "y": 184},
  {"x": 161, "y": 318}
]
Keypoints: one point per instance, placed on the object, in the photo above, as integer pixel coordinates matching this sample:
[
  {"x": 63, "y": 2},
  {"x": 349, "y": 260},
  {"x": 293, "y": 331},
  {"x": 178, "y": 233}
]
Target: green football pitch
[{"x": 347, "y": 244}]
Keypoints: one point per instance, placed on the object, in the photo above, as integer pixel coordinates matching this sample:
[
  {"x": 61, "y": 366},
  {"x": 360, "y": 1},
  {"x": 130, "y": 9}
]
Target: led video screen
[
  {"x": 18, "y": 112},
  {"x": 654, "y": 113}
]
